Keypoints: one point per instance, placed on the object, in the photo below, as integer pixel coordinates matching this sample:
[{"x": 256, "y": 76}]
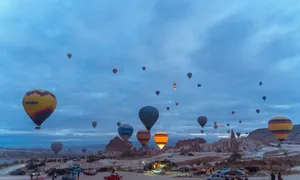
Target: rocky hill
[
  {"x": 117, "y": 145},
  {"x": 265, "y": 136}
]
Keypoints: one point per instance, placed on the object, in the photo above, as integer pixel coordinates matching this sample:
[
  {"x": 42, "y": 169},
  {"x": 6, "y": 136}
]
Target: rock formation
[
  {"x": 265, "y": 136},
  {"x": 117, "y": 145}
]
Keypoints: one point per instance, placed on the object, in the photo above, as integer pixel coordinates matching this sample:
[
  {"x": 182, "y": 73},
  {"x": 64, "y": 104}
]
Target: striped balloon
[
  {"x": 125, "y": 131},
  {"x": 143, "y": 136},
  {"x": 280, "y": 127},
  {"x": 161, "y": 139}
]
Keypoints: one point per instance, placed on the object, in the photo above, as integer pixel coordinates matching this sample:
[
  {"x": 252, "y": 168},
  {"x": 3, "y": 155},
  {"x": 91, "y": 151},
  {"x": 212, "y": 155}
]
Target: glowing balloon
[
  {"x": 161, "y": 139},
  {"x": 125, "y": 131},
  {"x": 143, "y": 137},
  {"x": 39, "y": 105},
  {"x": 94, "y": 124},
  {"x": 280, "y": 127},
  {"x": 69, "y": 55},
  {"x": 202, "y": 120},
  {"x": 148, "y": 115},
  {"x": 56, "y": 147}
]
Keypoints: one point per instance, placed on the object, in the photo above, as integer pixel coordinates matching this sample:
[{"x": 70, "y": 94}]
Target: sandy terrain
[{"x": 137, "y": 176}]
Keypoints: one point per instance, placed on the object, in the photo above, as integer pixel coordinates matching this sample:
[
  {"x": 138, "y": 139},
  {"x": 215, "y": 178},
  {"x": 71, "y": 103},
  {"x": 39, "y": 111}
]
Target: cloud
[{"x": 229, "y": 47}]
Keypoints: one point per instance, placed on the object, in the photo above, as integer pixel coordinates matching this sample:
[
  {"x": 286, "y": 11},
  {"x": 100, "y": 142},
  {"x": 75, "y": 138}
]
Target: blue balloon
[
  {"x": 125, "y": 131},
  {"x": 148, "y": 115}
]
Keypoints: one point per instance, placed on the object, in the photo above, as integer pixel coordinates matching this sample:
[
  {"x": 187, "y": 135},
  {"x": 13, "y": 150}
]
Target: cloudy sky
[{"x": 228, "y": 46}]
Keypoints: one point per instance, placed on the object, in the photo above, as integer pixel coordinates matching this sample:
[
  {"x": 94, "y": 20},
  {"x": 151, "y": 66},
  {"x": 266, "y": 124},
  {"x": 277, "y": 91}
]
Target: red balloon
[{"x": 115, "y": 71}]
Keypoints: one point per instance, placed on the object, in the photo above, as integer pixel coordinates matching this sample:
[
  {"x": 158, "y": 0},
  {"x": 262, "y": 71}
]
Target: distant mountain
[{"x": 265, "y": 136}]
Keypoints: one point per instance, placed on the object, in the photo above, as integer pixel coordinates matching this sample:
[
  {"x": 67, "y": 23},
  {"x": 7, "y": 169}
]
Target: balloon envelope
[
  {"x": 56, "y": 147},
  {"x": 238, "y": 134},
  {"x": 161, "y": 139},
  {"x": 148, "y": 115},
  {"x": 83, "y": 150},
  {"x": 39, "y": 105},
  {"x": 174, "y": 86},
  {"x": 69, "y": 55},
  {"x": 143, "y": 137},
  {"x": 216, "y": 126},
  {"x": 280, "y": 127},
  {"x": 94, "y": 124},
  {"x": 202, "y": 120},
  {"x": 118, "y": 124},
  {"x": 125, "y": 131},
  {"x": 189, "y": 75}
]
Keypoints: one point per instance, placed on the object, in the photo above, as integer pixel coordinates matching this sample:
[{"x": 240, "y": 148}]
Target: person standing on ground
[
  {"x": 272, "y": 176},
  {"x": 279, "y": 176},
  {"x": 78, "y": 174}
]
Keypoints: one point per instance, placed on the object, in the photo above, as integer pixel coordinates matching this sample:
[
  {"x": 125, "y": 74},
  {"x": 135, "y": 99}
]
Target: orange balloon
[
  {"x": 161, "y": 139},
  {"x": 143, "y": 136}
]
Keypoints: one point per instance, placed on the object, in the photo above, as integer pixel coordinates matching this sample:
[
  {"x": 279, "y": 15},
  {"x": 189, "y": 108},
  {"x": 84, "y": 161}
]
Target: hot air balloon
[
  {"x": 257, "y": 111},
  {"x": 94, "y": 124},
  {"x": 202, "y": 131},
  {"x": 280, "y": 127},
  {"x": 228, "y": 131},
  {"x": 69, "y": 55},
  {"x": 83, "y": 150},
  {"x": 228, "y": 125},
  {"x": 264, "y": 98},
  {"x": 174, "y": 86},
  {"x": 125, "y": 131},
  {"x": 115, "y": 70},
  {"x": 198, "y": 85},
  {"x": 215, "y": 123},
  {"x": 202, "y": 120},
  {"x": 240, "y": 121},
  {"x": 39, "y": 105},
  {"x": 177, "y": 103},
  {"x": 189, "y": 75},
  {"x": 56, "y": 147},
  {"x": 157, "y": 92},
  {"x": 260, "y": 83},
  {"x": 161, "y": 139},
  {"x": 148, "y": 115},
  {"x": 222, "y": 125},
  {"x": 216, "y": 126},
  {"x": 238, "y": 134},
  {"x": 247, "y": 133},
  {"x": 168, "y": 108},
  {"x": 232, "y": 112},
  {"x": 143, "y": 137},
  {"x": 144, "y": 68},
  {"x": 118, "y": 124}
]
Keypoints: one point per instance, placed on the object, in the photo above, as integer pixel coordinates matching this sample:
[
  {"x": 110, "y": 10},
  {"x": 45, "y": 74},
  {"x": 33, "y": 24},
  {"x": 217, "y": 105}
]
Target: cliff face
[
  {"x": 117, "y": 145},
  {"x": 265, "y": 136}
]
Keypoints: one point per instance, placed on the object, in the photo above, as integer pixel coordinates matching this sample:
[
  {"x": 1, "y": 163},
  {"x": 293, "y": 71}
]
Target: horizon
[{"x": 228, "y": 47}]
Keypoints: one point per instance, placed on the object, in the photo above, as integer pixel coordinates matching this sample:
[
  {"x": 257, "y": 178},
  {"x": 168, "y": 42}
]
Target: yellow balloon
[
  {"x": 39, "y": 105},
  {"x": 280, "y": 127}
]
